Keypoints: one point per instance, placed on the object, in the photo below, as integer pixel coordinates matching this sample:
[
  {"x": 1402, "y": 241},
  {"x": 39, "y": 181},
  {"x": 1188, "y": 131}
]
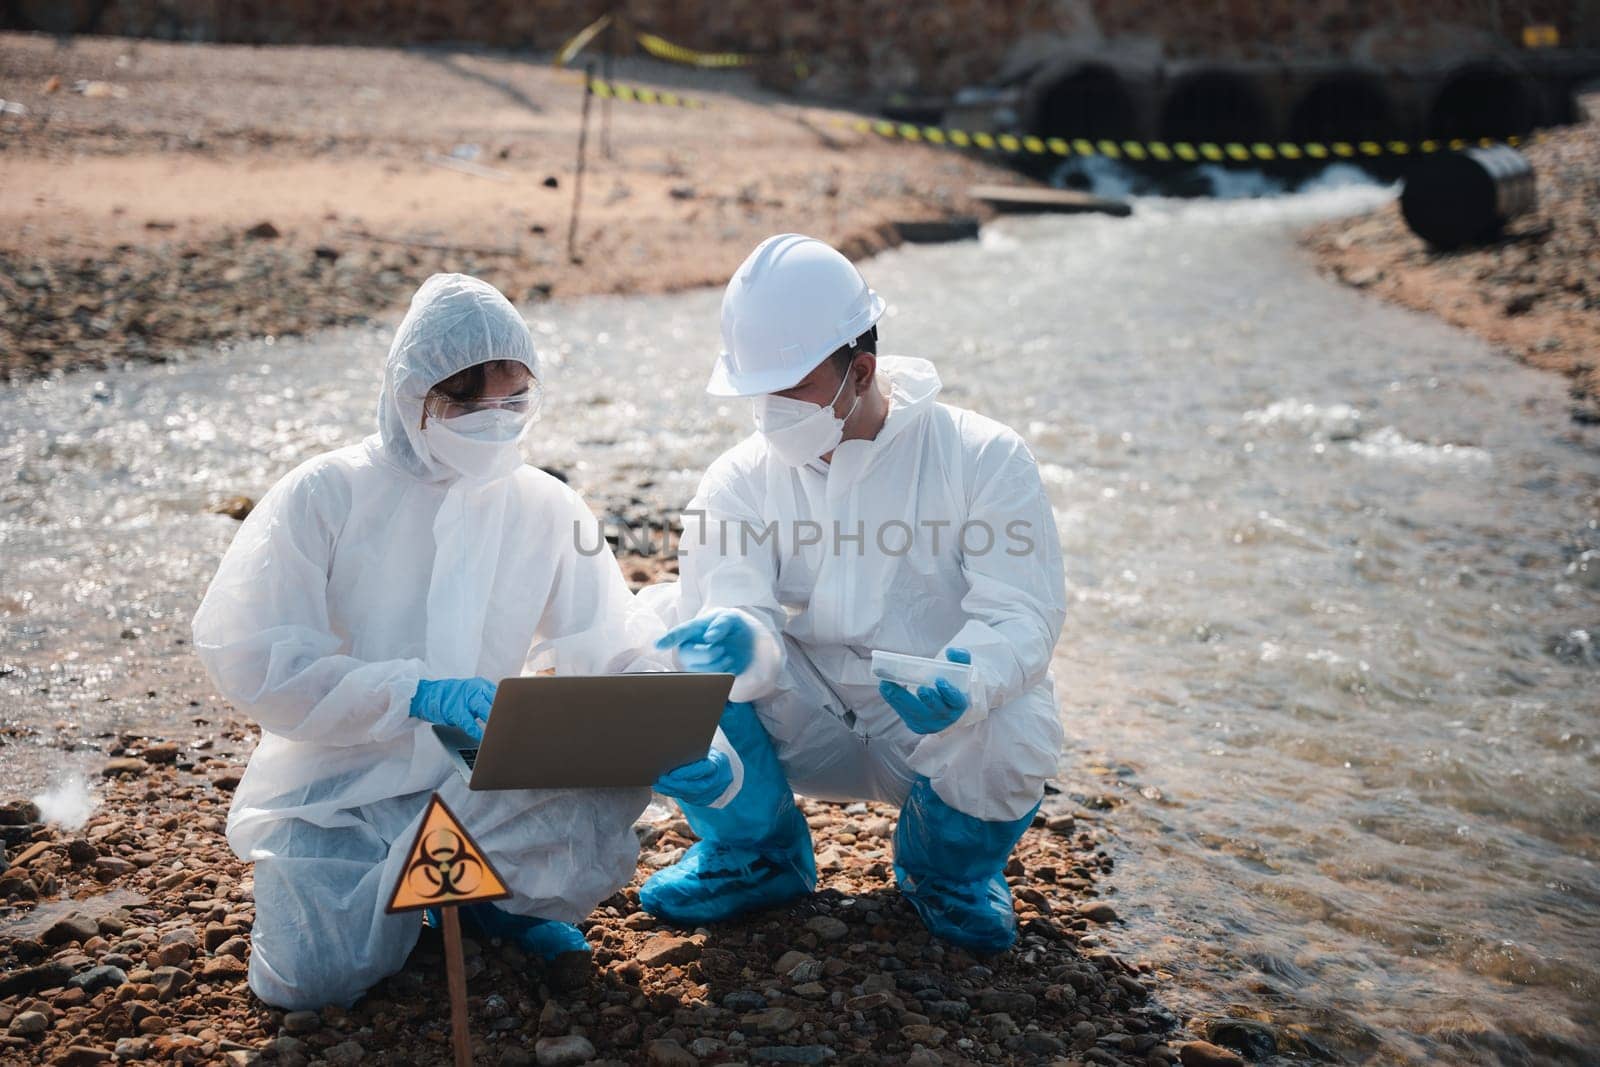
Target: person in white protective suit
[
  {"x": 863, "y": 514},
  {"x": 374, "y": 592}
]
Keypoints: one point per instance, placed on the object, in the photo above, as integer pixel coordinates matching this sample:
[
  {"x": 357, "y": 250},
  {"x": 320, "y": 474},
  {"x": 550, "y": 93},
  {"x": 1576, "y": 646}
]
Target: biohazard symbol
[{"x": 444, "y": 866}]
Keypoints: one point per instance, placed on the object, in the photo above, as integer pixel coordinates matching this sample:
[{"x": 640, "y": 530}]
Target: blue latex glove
[
  {"x": 698, "y": 783},
  {"x": 460, "y": 702},
  {"x": 722, "y": 642},
  {"x": 932, "y": 707}
]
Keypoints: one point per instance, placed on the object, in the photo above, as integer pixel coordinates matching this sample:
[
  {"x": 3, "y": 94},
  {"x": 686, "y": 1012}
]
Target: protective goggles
[{"x": 527, "y": 403}]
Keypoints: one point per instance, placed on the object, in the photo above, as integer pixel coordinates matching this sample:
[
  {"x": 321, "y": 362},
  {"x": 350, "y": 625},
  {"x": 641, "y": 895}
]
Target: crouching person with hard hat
[{"x": 862, "y": 515}]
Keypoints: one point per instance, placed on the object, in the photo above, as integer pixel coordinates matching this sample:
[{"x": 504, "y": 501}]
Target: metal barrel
[{"x": 1467, "y": 197}]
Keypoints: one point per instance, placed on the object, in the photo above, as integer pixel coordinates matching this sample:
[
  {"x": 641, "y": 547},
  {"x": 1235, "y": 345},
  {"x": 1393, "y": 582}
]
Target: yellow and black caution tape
[
  {"x": 580, "y": 40},
  {"x": 1159, "y": 151},
  {"x": 1064, "y": 147},
  {"x": 639, "y": 94},
  {"x": 662, "y": 48}
]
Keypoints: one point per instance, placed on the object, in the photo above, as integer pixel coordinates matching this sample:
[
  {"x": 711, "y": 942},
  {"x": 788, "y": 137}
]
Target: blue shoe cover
[
  {"x": 544, "y": 938},
  {"x": 951, "y": 866},
  {"x": 753, "y": 853}
]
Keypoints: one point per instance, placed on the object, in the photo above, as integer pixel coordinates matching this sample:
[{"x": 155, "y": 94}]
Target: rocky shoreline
[
  {"x": 127, "y": 939},
  {"x": 1534, "y": 293},
  {"x": 158, "y": 213}
]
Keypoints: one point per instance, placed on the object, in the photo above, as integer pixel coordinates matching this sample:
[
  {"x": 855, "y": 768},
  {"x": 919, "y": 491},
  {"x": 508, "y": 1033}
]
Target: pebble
[
  {"x": 1253, "y": 1040},
  {"x": 302, "y": 1022},
  {"x": 132, "y": 1048},
  {"x": 924, "y": 1034},
  {"x": 827, "y": 927},
  {"x": 664, "y": 950},
  {"x": 790, "y": 960},
  {"x": 74, "y": 927},
  {"x": 1205, "y": 1054},
  {"x": 123, "y": 765},
  {"x": 1098, "y": 911},
  {"x": 773, "y": 1021},
  {"x": 28, "y": 1024},
  {"x": 32, "y": 979},
  {"x": 345, "y": 1054},
  {"x": 1014, "y": 1004},
  {"x": 563, "y": 1051},
  {"x": 97, "y": 978},
  {"x": 82, "y": 1056},
  {"x": 667, "y": 1053},
  {"x": 744, "y": 1000},
  {"x": 805, "y": 1054}
]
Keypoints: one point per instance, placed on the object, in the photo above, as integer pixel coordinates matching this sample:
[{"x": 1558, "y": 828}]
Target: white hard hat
[{"x": 791, "y": 304}]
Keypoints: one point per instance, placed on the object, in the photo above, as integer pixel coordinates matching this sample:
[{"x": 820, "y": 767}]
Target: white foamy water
[{"x": 1333, "y": 572}]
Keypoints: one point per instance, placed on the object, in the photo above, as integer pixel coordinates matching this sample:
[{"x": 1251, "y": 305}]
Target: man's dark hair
[{"x": 867, "y": 342}]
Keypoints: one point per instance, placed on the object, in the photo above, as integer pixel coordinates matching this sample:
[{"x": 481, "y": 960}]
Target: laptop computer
[{"x": 590, "y": 731}]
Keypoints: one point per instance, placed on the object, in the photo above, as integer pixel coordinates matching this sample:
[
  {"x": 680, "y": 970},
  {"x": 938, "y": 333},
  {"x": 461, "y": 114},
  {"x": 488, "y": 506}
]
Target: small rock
[
  {"x": 170, "y": 982},
  {"x": 552, "y": 182},
  {"x": 123, "y": 766},
  {"x": 667, "y": 949},
  {"x": 19, "y": 813},
  {"x": 921, "y": 1057},
  {"x": 82, "y": 1056},
  {"x": 345, "y": 1054},
  {"x": 1042, "y": 1044},
  {"x": 97, "y": 978},
  {"x": 744, "y": 1000},
  {"x": 563, "y": 1051},
  {"x": 28, "y": 1024},
  {"x": 224, "y": 968},
  {"x": 827, "y": 927},
  {"x": 237, "y": 508},
  {"x": 107, "y": 868},
  {"x": 132, "y": 1048},
  {"x": 301, "y": 1022},
  {"x": 789, "y": 961},
  {"x": 74, "y": 927},
  {"x": 163, "y": 752},
  {"x": 666, "y": 1053},
  {"x": 1253, "y": 1040},
  {"x": 1205, "y": 1054},
  {"x": 705, "y": 1047},
  {"x": 924, "y": 1034},
  {"x": 1098, "y": 911},
  {"x": 804, "y": 1054},
  {"x": 81, "y": 851},
  {"x": 773, "y": 1021},
  {"x": 553, "y": 1021},
  {"x": 262, "y": 231},
  {"x": 33, "y": 979},
  {"x": 1014, "y": 1004}
]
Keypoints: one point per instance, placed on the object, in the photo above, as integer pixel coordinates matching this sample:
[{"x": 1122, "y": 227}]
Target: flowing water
[{"x": 1335, "y": 568}]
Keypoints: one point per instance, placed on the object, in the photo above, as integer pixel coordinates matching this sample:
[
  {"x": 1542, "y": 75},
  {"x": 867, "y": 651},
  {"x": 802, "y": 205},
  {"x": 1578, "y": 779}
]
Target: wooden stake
[
  {"x": 577, "y": 181},
  {"x": 605, "y": 69},
  {"x": 455, "y": 973}
]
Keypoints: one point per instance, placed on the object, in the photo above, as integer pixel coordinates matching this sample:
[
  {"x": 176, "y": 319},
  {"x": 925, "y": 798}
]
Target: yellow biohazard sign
[{"x": 444, "y": 866}]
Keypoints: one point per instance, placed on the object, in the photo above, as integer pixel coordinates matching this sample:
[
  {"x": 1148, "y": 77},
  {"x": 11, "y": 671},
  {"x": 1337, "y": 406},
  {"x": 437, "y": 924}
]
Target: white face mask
[
  {"x": 480, "y": 446},
  {"x": 799, "y": 431}
]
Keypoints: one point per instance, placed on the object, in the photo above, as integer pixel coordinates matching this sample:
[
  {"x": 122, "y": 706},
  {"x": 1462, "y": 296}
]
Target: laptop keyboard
[{"x": 471, "y": 756}]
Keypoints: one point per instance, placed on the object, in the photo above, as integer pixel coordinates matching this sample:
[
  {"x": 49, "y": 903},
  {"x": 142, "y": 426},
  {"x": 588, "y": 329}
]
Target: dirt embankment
[
  {"x": 1535, "y": 293},
  {"x": 164, "y": 195}
]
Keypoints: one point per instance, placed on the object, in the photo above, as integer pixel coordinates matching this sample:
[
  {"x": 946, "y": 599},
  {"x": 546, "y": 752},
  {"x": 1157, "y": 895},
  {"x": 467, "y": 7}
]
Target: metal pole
[
  {"x": 455, "y": 972},
  {"x": 577, "y": 182}
]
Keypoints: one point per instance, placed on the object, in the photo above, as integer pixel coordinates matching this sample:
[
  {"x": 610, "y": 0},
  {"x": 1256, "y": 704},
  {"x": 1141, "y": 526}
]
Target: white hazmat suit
[
  {"x": 363, "y": 571},
  {"x": 936, "y": 533}
]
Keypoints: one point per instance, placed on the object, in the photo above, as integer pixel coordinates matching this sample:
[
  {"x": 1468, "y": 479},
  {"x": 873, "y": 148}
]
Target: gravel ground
[
  {"x": 1535, "y": 293},
  {"x": 128, "y": 938},
  {"x": 183, "y": 194}
]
